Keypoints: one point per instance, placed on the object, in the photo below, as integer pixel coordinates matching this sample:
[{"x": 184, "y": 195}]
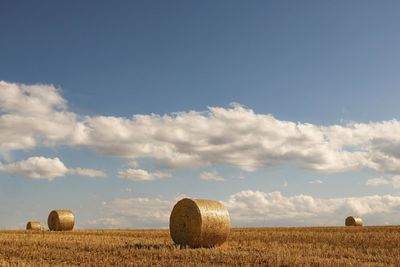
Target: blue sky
[{"x": 328, "y": 69}]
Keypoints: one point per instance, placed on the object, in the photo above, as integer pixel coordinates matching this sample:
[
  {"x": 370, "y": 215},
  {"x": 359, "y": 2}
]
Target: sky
[{"x": 285, "y": 111}]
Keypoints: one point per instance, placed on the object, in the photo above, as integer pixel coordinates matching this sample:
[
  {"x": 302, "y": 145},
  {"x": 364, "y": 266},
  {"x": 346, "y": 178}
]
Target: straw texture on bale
[
  {"x": 199, "y": 223},
  {"x": 61, "y": 220},
  {"x": 353, "y": 221},
  {"x": 34, "y": 226}
]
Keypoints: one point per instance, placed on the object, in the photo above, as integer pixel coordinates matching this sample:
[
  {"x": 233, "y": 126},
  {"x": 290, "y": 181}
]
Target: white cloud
[
  {"x": 37, "y": 115},
  {"x": 238, "y": 137},
  {"x": 138, "y": 212},
  {"x": 127, "y": 189},
  {"x": 87, "y": 172},
  {"x": 211, "y": 176},
  {"x": 103, "y": 223},
  {"x": 316, "y": 181},
  {"x": 142, "y": 175},
  {"x": 377, "y": 181},
  {"x": 256, "y": 208},
  {"x": 37, "y": 167},
  {"x": 393, "y": 181},
  {"x": 32, "y": 115},
  {"x": 45, "y": 168},
  {"x": 134, "y": 164}
]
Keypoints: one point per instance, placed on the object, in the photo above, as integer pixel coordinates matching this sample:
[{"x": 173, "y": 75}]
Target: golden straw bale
[
  {"x": 61, "y": 220},
  {"x": 199, "y": 223},
  {"x": 34, "y": 226},
  {"x": 353, "y": 221}
]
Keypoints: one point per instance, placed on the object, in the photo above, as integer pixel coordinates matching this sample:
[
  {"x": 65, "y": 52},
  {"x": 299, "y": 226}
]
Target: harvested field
[{"x": 319, "y": 246}]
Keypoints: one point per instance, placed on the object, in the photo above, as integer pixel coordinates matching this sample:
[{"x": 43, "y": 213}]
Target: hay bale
[
  {"x": 353, "y": 221},
  {"x": 199, "y": 223},
  {"x": 61, "y": 220},
  {"x": 33, "y": 226}
]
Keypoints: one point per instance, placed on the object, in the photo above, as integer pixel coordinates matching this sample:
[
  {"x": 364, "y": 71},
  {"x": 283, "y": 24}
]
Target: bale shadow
[
  {"x": 147, "y": 246},
  {"x": 157, "y": 246}
]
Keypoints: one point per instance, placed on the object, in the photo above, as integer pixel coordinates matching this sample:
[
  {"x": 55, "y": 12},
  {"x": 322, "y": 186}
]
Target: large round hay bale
[
  {"x": 34, "y": 226},
  {"x": 353, "y": 221},
  {"x": 61, "y": 220},
  {"x": 199, "y": 223}
]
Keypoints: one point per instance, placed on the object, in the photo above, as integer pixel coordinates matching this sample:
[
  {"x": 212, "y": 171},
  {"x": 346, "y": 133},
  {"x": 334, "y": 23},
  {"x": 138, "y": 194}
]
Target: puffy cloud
[
  {"x": 238, "y": 137},
  {"x": 86, "y": 172},
  {"x": 23, "y": 99},
  {"x": 33, "y": 115},
  {"x": 377, "y": 181},
  {"x": 138, "y": 212},
  {"x": 256, "y": 208},
  {"x": 141, "y": 175},
  {"x": 45, "y": 168},
  {"x": 134, "y": 164},
  {"x": 37, "y": 167},
  {"x": 212, "y": 175},
  {"x": 393, "y": 181},
  {"x": 316, "y": 181},
  {"x": 103, "y": 223}
]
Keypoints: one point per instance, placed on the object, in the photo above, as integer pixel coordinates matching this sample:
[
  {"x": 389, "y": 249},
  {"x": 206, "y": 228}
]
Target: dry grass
[{"x": 324, "y": 246}]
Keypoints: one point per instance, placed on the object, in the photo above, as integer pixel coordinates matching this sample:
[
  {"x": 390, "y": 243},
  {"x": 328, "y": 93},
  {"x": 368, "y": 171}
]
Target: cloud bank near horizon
[
  {"x": 256, "y": 208},
  {"x": 37, "y": 115}
]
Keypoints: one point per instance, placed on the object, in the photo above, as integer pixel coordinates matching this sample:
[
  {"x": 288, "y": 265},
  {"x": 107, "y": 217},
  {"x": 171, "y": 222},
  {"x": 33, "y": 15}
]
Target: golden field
[{"x": 314, "y": 246}]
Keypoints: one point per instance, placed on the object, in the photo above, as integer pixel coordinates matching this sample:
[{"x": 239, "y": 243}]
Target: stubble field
[{"x": 317, "y": 246}]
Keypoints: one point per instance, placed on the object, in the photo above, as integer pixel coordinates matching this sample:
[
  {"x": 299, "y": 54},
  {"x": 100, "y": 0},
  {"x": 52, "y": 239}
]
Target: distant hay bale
[
  {"x": 33, "y": 226},
  {"x": 61, "y": 220},
  {"x": 199, "y": 223},
  {"x": 353, "y": 221}
]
